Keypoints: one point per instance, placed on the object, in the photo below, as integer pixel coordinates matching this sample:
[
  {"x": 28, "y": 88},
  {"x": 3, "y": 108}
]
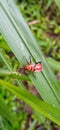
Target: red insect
[{"x": 34, "y": 67}]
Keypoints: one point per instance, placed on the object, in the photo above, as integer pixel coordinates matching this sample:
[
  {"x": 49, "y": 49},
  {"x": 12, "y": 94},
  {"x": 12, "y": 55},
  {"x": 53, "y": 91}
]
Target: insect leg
[{"x": 29, "y": 62}]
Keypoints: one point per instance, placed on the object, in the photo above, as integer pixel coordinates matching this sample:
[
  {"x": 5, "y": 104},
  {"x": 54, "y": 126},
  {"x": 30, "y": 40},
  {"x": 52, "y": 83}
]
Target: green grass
[
  {"x": 47, "y": 110},
  {"x": 22, "y": 44}
]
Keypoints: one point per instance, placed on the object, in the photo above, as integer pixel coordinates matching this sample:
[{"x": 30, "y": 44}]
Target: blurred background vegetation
[{"x": 43, "y": 18}]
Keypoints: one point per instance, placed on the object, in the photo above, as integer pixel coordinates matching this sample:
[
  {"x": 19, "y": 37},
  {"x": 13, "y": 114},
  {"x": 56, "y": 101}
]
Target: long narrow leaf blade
[
  {"x": 23, "y": 44},
  {"x": 58, "y": 3},
  {"x": 40, "y": 106}
]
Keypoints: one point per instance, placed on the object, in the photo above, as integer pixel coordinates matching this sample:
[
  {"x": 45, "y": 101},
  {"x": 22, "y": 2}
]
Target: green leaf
[
  {"x": 58, "y": 3},
  {"x": 49, "y": 3},
  {"x": 15, "y": 75},
  {"x": 45, "y": 109},
  {"x": 21, "y": 41},
  {"x": 5, "y": 112},
  {"x": 55, "y": 64},
  {"x": 7, "y": 63},
  {"x": 32, "y": 125}
]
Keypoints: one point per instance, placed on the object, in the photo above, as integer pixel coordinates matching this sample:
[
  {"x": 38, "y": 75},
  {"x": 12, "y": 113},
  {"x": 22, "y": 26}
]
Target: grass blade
[
  {"x": 23, "y": 44},
  {"x": 15, "y": 75},
  {"x": 38, "y": 105},
  {"x": 58, "y": 3}
]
